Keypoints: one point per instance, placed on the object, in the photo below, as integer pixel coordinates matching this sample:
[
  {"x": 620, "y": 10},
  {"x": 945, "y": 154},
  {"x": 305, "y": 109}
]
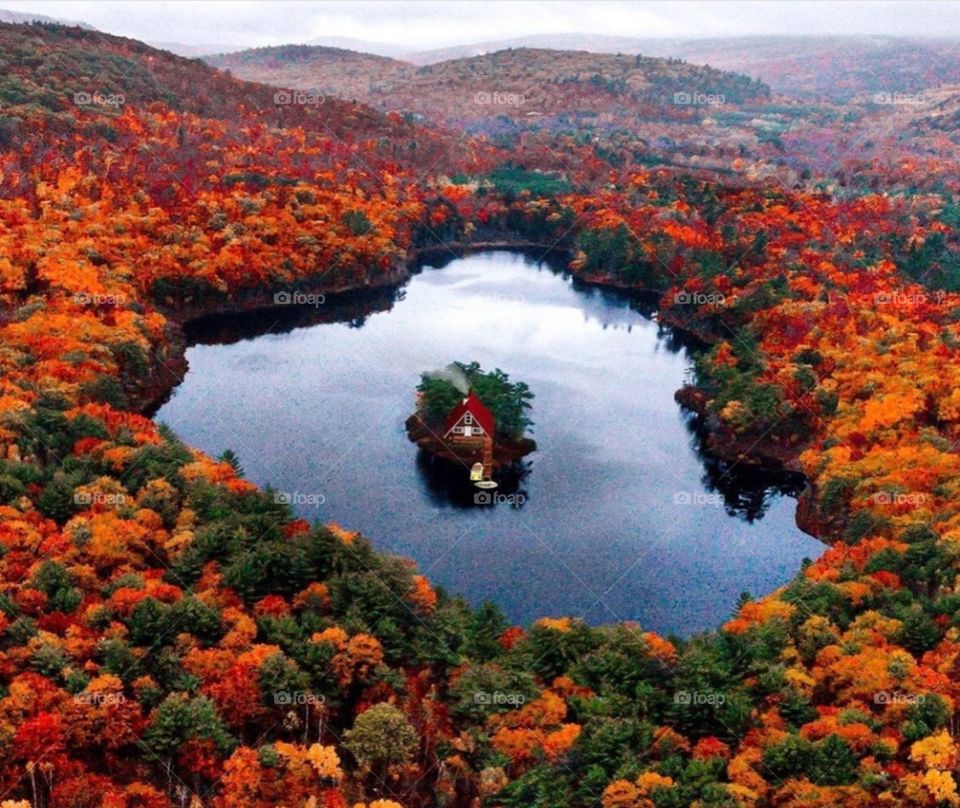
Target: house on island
[
  {"x": 469, "y": 420},
  {"x": 471, "y": 426}
]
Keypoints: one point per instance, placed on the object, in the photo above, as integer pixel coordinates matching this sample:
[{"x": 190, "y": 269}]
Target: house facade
[{"x": 469, "y": 421}]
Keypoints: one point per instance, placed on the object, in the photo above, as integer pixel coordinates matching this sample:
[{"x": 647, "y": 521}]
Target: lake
[{"x": 623, "y": 515}]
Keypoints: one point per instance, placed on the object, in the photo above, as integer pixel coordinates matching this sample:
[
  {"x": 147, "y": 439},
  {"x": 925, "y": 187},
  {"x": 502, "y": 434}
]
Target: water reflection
[
  {"x": 350, "y": 308},
  {"x": 748, "y": 490},
  {"x": 448, "y": 484}
]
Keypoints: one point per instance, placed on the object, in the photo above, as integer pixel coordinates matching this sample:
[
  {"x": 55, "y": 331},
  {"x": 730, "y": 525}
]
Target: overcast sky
[{"x": 436, "y": 23}]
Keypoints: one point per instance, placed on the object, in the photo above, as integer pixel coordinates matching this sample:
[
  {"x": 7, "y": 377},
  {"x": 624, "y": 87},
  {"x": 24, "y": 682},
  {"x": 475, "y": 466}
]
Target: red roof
[{"x": 477, "y": 409}]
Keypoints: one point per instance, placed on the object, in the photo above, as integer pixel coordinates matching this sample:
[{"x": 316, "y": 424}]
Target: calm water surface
[{"x": 624, "y": 517}]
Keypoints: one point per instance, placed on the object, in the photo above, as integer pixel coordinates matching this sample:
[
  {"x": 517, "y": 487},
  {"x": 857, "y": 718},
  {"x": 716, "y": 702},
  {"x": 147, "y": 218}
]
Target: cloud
[{"x": 421, "y": 25}]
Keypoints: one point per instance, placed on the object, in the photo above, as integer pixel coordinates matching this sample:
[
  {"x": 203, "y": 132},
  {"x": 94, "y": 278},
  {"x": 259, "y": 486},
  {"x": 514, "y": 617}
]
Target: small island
[{"x": 475, "y": 420}]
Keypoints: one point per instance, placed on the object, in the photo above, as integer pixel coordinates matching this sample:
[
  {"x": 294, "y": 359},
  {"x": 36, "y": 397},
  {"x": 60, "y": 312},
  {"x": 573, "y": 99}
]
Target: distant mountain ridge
[
  {"x": 20, "y": 17},
  {"x": 387, "y": 49},
  {"x": 594, "y": 43},
  {"x": 806, "y": 67},
  {"x": 832, "y": 66},
  {"x": 516, "y": 83},
  {"x": 331, "y": 71},
  {"x": 194, "y": 51}
]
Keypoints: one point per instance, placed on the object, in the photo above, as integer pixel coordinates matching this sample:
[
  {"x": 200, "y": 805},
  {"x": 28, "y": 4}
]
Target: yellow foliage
[
  {"x": 936, "y": 751},
  {"x": 561, "y": 624},
  {"x": 648, "y": 781},
  {"x": 620, "y": 794},
  {"x": 334, "y": 635},
  {"x": 887, "y": 410},
  {"x": 942, "y": 787}
]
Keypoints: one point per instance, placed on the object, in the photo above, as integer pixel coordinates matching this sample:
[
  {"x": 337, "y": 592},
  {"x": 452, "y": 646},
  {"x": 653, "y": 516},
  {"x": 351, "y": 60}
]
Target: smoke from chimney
[{"x": 453, "y": 374}]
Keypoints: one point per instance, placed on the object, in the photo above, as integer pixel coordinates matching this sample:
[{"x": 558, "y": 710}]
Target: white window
[{"x": 468, "y": 418}]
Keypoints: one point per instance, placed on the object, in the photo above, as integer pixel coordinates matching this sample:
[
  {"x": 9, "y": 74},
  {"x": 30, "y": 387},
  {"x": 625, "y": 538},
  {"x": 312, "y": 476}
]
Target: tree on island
[{"x": 508, "y": 402}]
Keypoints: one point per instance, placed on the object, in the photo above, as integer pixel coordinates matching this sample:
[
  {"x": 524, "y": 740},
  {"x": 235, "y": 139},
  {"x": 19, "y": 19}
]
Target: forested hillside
[
  {"x": 515, "y": 83},
  {"x": 61, "y": 73},
  {"x": 336, "y": 72}
]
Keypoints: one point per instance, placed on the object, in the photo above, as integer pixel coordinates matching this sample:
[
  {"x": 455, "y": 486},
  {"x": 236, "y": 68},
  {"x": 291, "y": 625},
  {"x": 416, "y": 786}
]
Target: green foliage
[
  {"x": 541, "y": 787},
  {"x": 932, "y": 261},
  {"x": 21, "y": 630},
  {"x": 829, "y": 762},
  {"x": 10, "y": 489},
  {"x": 357, "y": 223},
  {"x": 56, "y": 582},
  {"x": 163, "y": 461},
  {"x": 179, "y": 719},
  {"x": 486, "y": 689},
  {"x": 930, "y": 713},
  {"x": 148, "y": 622},
  {"x": 550, "y": 653},
  {"x": 118, "y": 658},
  {"x": 608, "y": 747},
  {"x": 192, "y": 615},
  {"x": 507, "y": 401},
  {"x": 834, "y": 495},
  {"x": 49, "y": 659},
  {"x": 622, "y": 668},
  {"x": 762, "y": 407},
  {"x": 486, "y": 624},
  {"x": 925, "y": 566},
  {"x": 616, "y": 253},
  {"x": 511, "y": 181},
  {"x": 280, "y": 679},
  {"x": 106, "y": 390},
  {"x": 918, "y": 632},
  {"x": 381, "y": 737},
  {"x": 862, "y": 524},
  {"x": 230, "y": 456},
  {"x": 57, "y": 500}
]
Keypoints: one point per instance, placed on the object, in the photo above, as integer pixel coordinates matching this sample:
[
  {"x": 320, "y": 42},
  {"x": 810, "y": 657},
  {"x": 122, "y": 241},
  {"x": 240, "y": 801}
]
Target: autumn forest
[{"x": 172, "y": 634}]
